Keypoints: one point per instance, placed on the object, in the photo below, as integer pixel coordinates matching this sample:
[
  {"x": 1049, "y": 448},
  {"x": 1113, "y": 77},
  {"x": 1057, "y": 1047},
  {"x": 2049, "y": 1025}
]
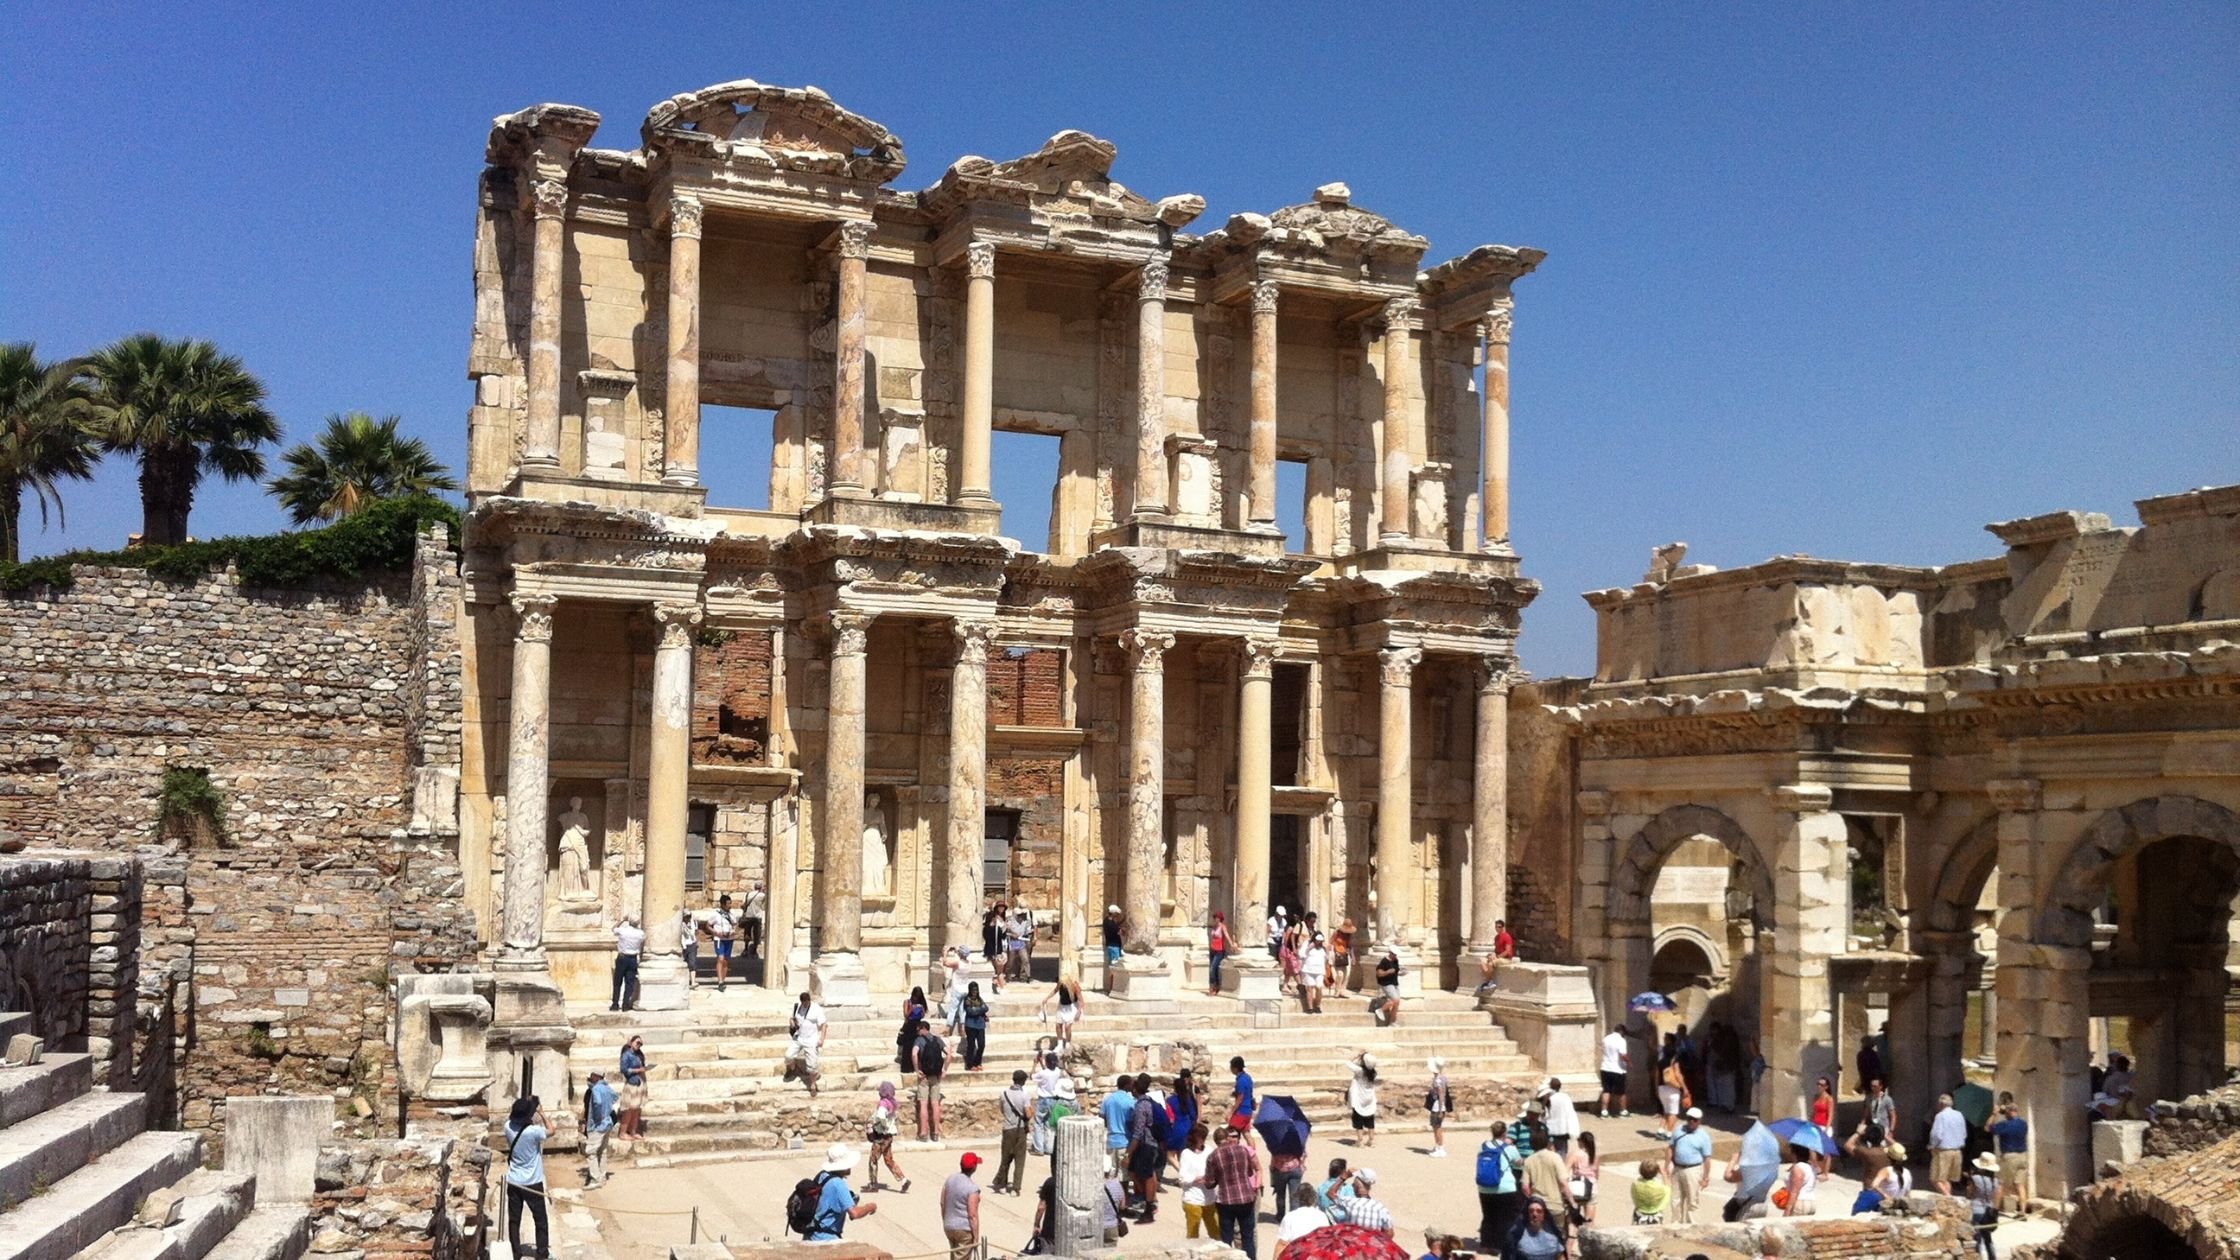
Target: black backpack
[
  {"x": 933, "y": 1055},
  {"x": 801, "y": 1205}
]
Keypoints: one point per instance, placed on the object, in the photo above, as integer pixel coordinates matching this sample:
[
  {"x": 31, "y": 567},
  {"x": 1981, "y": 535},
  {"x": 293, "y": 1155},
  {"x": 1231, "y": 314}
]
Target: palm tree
[
  {"x": 185, "y": 409},
  {"x": 44, "y": 437},
  {"x": 359, "y": 461}
]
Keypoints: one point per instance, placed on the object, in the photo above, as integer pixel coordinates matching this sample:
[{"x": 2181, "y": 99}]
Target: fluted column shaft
[
  {"x": 549, "y": 204},
  {"x": 1495, "y": 455},
  {"x": 974, "y": 486},
  {"x": 1255, "y": 793},
  {"x": 968, "y": 785},
  {"x": 1489, "y": 807},
  {"x": 849, "y": 479},
  {"x": 1395, "y": 772},
  {"x": 528, "y": 753},
  {"x": 1151, "y": 391},
  {"x": 1399, "y": 421},
  {"x": 1262, "y": 420},
  {"x": 1147, "y": 786},
  {"x": 680, "y": 421},
  {"x": 840, "y": 834}
]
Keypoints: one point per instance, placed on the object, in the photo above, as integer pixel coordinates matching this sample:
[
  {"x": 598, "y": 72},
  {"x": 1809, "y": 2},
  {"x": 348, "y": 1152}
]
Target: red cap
[{"x": 969, "y": 1161}]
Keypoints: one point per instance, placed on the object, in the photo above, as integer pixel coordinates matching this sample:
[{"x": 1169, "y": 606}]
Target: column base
[
  {"x": 662, "y": 983},
  {"x": 1141, "y": 978},
  {"x": 522, "y": 963},
  {"x": 1252, "y": 978},
  {"x": 839, "y": 980}
]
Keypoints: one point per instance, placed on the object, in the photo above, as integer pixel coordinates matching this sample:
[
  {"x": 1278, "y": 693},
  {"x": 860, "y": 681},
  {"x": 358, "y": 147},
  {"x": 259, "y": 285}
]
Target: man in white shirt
[
  {"x": 1366, "y": 1210},
  {"x": 808, "y": 1028},
  {"x": 1615, "y": 1061},
  {"x": 1563, "y": 1118},
  {"x": 750, "y": 920},
  {"x": 1305, "y": 1217},
  {"x": 722, "y": 929},
  {"x": 629, "y": 943},
  {"x": 1948, "y": 1133}
]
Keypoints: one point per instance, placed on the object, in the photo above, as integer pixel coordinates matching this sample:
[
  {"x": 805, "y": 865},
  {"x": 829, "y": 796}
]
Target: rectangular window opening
[
  {"x": 1288, "y": 722},
  {"x": 1025, "y": 470},
  {"x": 699, "y": 827},
  {"x": 1000, "y": 833},
  {"x": 738, "y": 455},
  {"x": 1291, "y": 504}
]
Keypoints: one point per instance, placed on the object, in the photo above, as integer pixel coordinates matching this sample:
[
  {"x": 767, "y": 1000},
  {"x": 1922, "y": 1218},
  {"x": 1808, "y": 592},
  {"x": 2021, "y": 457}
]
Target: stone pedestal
[
  {"x": 277, "y": 1140},
  {"x": 441, "y": 1037},
  {"x": 1253, "y": 977},
  {"x": 528, "y": 1041},
  {"x": 2118, "y": 1142},
  {"x": 840, "y": 982},
  {"x": 1551, "y": 1013},
  {"x": 1141, "y": 978},
  {"x": 1079, "y": 1168}
]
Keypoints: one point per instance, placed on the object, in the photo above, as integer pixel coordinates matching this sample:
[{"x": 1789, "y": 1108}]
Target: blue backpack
[{"x": 1497, "y": 1168}]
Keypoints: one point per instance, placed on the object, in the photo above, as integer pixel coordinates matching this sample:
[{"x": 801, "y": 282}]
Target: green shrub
[
  {"x": 378, "y": 539},
  {"x": 188, "y": 797}
]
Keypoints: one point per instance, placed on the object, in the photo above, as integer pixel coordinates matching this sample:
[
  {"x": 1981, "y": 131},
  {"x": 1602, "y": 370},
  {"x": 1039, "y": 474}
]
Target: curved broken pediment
[
  {"x": 797, "y": 128},
  {"x": 1070, "y": 174}
]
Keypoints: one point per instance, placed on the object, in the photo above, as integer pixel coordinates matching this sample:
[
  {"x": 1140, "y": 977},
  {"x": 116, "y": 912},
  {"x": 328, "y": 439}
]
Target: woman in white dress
[
  {"x": 1361, "y": 1099},
  {"x": 1312, "y": 965}
]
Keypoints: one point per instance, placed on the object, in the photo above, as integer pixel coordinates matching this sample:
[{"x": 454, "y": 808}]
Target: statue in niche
[
  {"x": 575, "y": 854},
  {"x": 878, "y": 858}
]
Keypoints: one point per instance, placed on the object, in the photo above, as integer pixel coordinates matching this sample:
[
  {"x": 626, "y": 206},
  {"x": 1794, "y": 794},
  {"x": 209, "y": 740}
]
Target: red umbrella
[{"x": 1345, "y": 1242}]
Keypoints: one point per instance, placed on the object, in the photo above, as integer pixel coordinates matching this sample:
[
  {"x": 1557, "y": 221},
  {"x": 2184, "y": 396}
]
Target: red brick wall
[
  {"x": 731, "y": 696},
  {"x": 1026, "y": 687},
  {"x": 1035, "y": 787}
]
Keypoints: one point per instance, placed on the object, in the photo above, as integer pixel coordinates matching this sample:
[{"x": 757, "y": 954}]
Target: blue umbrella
[
  {"x": 1806, "y": 1134},
  {"x": 1650, "y": 1001},
  {"x": 1282, "y": 1125},
  {"x": 1759, "y": 1164}
]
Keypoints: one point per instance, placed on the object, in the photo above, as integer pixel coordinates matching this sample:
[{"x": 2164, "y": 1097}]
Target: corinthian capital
[
  {"x": 855, "y": 239},
  {"x": 532, "y": 618},
  {"x": 1497, "y": 325},
  {"x": 676, "y": 623},
  {"x": 1153, "y": 287},
  {"x": 684, "y": 216},
  {"x": 1265, "y": 294},
  {"x": 1259, "y": 656},
  {"x": 1400, "y": 314},
  {"x": 849, "y": 630},
  {"x": 548, "y": 198},
  {"x": 974, "y": 636},
  {"x": 980, "y": 260},
  {"x": 1398, "y": 664},
  {"x": 1496, "y": 676},
  {"x": 1146, "y": 649}
]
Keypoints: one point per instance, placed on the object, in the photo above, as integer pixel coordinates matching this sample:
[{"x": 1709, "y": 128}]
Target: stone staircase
[
  {"x": 76, "y": 1165},
  {"x": 718, "y": 1083}
]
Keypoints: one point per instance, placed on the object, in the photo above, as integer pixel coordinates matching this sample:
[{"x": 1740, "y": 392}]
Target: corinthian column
[
  {"x": 1396, "y": 872},
  {"x": 680, "y": 420},
  {"x": 549, "y": 203},
  {"x": 662, "y": 982},
  {"x": 1262, "y": 430},
  {"x": 1247, "y": 973},
  {"x": 1151, "y": 392},
  {"x": 974, "y": 489},
  {"x": 1489, "y": 808},
  {"x": 968, "y": 783},
  {"x": 847, "y": 388},
  {"x": 1399, "y": 422},
  {"x": 1142, "y": 974},
  {"x": 528, "y": 733},
  {"x": 839, "y": 941},
  {"x": 1495, "y": 460}
]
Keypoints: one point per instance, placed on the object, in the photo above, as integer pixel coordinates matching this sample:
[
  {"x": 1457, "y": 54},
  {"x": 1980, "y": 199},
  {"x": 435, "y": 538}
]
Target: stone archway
[
  {"x": 2065, "y": 915},
  {"x": 1944, "y": 936}
]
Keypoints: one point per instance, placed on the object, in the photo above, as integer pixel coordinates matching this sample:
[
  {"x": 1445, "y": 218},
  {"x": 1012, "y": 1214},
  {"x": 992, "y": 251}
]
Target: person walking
[
  {"x": 1287, "y": 1171},
  {"x": 1115, "y": 1110},
  {"x": 1983, "y": 1202},
  {"x": 1948, "y": 1135},
  {"x": 2010, "y": 1135},
  {"x": 1689, "y": 1157},
  {"x": 1366, "y": 1209},
  {"x": 1361, "y": 1099},
  {"x": 723, "y": 930},
  {"x": 1015, "y": 1109},
  {"x": 1278, "y": 924},
  {"x": 1615, "y": 1061},
  {"x": 1548, "y": 1179},
  {"x": 1824, "y": 1119},
  {"x": 806, "y": 1028},
  {"x": 691, "y": 929},
  {"x": 1500, "y": 1178},
  {"x": 1672, "y": 1085},
  {"x": 1242, "y": 1101},
  {"x": 1341, "y": 958},
  {"x": 1145, "y": 1152},
  {"x": 1881, "y": 1108},
  {"x": 633, "y": 1094},
  {"x": 525, "y": 1134},
  {"x": 836, "y": 1203},
  {"x": 1054, "y": 1099},
  {"x": 1438, "y": 1104},
  {"x": 629, "y": 946},
  {"x": 1386, "y": 1008},
  {"x": 1585, "y": 1165},
  {"x": 991, "y": 941},
  {"x": 596, "y": 1126},
  {"x": 751, "y": 916},
  {"x": 960, "y": 1208},
  {"x": 885, "y": 1125},
  {"x": 1563, "y": 1117},
  {"x": 1190, "y": 1174},
  {"x": 1217, "y": 949},
  {"x": 1233, "y": 1182},
  {"x": 1314, "y": 965},
  {"x": 1018, "y": 943},
  {"x": 1112, "y": 944},
  {"x": 930, "y": 1056},
  {"x": 975, "y": 1013},
  {"x": 1066, "y": 996},
  {"x": 1652, "y": 1195}
]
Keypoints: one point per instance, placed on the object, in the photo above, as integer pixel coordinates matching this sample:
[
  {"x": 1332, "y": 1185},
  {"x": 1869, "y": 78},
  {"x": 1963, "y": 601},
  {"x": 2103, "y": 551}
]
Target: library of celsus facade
[{"x": 859, "y": 694}]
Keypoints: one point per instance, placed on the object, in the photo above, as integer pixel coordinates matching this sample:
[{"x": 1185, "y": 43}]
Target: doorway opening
[
  {"x": 738, "y": 455},
  {"x": 1285, "y": 855}
]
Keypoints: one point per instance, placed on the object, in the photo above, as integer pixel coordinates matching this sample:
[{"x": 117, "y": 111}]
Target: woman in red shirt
[
  {"x": 1824, "y": 1119},
  {"x": 1217, "y": 944}
]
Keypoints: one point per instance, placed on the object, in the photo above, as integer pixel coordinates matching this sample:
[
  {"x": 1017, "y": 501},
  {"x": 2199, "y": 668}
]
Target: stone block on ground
[{"x": 277, "y": 1140}]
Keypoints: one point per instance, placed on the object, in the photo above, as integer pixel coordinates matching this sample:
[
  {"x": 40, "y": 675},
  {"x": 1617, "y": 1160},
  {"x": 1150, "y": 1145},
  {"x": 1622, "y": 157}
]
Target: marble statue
[
  {"x": 878, "y": 859},
  {"x": 575, "y": 854}
]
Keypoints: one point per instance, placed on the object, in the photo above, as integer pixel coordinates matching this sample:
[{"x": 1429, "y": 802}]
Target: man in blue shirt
[
  {"x": 836, "y": 1203},
  {"x": 597, "y": 1124},
  {"x": 1244, "y": 1103},
  {"x": 1690, "y": 1162},
  {"x": 1116, "y": 1108},
  {"x": 2011, "y": 1133}
]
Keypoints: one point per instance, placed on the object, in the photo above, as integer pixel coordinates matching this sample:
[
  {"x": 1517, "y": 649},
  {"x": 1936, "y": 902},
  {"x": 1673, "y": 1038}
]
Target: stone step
[
  {"x": 38, "y": 1152},
  {"x": 1006, "y": 1043},
  {"x": 11, "y": 1023},
  {"x": 45, "y": 1085},
  {"x": 90, "y": 1202},
  {"x": 216, "y": 1202},
  {"x": 702, "y": 1079},
  {"x": 1101, "y": 1017},
  {"x": 280, "y": 1232}
]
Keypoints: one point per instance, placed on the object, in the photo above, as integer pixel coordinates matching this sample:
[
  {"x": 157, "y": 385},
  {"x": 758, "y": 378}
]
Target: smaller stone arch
[
  {"x": 2169, "y": 1198},
  {"x": 1635, "y": 876},
  {"x": 2066, "y": 916},
  {"x": 1952, "y": 899},
  {"x": 1714, "y": 952}
]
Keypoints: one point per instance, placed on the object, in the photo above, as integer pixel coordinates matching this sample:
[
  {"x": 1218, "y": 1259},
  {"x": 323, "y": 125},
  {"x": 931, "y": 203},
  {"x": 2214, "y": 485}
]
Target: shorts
[
  {"x": 723, "y": 949},
  {"x": 1361, "y": 1121},
  {"x": 1614, "y": 1084},
  {"x": 1438, "y": 1121},
  {"x": 802, "y": 1058},
  {"x": 1668, "y": 1097},
  {"x": 929, "y": 1088},
  {"x": 1146, "y": 1160},
  {"x": 1944, "y": 1165}
]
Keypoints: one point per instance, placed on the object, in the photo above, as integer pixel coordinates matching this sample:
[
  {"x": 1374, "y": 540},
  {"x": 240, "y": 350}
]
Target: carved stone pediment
[
  {"x": 879, "y": 561},
  {"x": 1069, "y": 176},
  {"x": 800, "y": 129}
]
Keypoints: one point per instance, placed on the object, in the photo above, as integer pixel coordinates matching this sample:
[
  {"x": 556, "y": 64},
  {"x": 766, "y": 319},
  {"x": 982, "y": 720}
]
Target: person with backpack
[
  {"x": 975, "y": 1027},
  {"x": 820, "y": 1207},
  {"x": 1148, "y": 1125},
  {"x": 1500, "y": 1189},
  {"x": 525, "y": 1134},
  {"x": 931, "y": 1058}
]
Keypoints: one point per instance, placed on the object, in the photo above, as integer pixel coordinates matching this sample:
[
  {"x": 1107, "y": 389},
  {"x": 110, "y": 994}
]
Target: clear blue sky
[{"x": 1842, "y": 280}]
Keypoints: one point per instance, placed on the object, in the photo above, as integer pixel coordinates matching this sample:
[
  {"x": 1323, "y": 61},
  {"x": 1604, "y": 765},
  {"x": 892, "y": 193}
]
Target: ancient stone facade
[
  {"x": 1880, "y": 750},
  {"x": 866, "y": 699}
]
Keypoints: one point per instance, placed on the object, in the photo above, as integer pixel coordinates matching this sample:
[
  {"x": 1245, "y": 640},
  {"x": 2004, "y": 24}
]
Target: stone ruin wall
[
  {"x": 1543, "y": 794},
  {"x": 311, "y": 709}
]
